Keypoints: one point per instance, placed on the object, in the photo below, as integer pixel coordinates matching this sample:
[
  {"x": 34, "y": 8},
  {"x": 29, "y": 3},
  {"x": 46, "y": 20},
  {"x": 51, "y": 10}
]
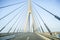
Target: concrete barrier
[{"x": 42, "y": 36}]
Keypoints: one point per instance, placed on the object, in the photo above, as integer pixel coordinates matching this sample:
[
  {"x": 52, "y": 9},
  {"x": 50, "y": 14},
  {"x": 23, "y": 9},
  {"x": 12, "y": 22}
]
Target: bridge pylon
[{"x": 28, "y": 17}]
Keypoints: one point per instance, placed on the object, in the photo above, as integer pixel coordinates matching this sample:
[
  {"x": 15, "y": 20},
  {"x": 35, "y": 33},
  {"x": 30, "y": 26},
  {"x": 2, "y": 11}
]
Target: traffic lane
[
  {"x": 20, "y": 37},
  {"x": 35, "y": 37},
  {"x": 32, "y": 36},
  {"x": 28, "y": 36}
]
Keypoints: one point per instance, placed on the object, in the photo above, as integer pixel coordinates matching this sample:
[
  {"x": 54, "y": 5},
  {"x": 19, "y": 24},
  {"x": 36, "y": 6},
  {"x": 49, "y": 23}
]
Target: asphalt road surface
[{"x": 27, "y": 36}]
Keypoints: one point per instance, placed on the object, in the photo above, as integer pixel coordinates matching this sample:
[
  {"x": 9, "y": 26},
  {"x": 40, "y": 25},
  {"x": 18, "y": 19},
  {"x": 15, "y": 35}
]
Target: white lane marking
[{"x": 27, "y": 38}]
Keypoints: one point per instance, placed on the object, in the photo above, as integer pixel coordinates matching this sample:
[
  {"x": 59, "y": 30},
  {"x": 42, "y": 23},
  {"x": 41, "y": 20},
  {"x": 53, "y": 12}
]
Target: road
[{"x": 27, "y": 36}]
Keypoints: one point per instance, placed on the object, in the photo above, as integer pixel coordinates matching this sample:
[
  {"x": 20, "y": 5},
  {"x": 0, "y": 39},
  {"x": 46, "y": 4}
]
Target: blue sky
[{"x": 51, "y": 5}]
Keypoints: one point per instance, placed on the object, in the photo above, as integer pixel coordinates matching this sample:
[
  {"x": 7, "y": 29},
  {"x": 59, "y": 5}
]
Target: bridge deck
[
  {"x": 24, "y": 36},
  {"x": 27, "y": 36}
]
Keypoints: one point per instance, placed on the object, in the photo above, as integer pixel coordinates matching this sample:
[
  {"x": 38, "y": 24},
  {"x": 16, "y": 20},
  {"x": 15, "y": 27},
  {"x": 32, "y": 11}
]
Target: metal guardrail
[
  {"x": 58, "y": 36},
  {"x": 7, "y": 37}
]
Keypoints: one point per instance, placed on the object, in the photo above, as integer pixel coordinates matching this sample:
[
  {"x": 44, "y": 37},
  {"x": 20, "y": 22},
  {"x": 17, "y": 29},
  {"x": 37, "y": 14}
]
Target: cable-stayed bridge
[{"x": 26, "y": 24}]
